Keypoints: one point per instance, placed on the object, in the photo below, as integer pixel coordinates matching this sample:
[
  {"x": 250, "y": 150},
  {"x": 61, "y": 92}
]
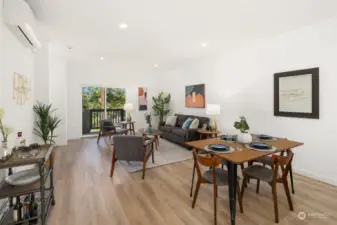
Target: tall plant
[
  {"x": 5, "y": 130},
  {"x": 46, "y": 122},
  {"x": 159, "y": 106}
]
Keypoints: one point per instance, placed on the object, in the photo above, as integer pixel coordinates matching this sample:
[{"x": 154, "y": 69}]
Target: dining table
[{"x": 240, "y": 155}]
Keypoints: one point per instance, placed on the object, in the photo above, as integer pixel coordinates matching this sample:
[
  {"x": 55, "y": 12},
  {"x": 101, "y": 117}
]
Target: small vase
[
  {"x": 245, "y": 138},
  {"x": 4, "y": 151},
  {"x": 4, "y": 145},
  {"x": 149, "y": 129}
]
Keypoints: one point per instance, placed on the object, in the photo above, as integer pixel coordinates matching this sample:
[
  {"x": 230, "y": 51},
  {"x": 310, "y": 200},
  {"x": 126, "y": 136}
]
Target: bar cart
[{"x": 44, "y": 186}]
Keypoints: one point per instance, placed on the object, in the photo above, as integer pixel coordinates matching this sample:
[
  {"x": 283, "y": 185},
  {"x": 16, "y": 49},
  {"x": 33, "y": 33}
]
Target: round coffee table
[
  {"x": 207, "y": 133},
  {"x": 156, "y": 133}
]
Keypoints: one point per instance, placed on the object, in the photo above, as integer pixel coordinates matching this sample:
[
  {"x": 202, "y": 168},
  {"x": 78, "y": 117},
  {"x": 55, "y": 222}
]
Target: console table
[{"x": 131, "y": 125}]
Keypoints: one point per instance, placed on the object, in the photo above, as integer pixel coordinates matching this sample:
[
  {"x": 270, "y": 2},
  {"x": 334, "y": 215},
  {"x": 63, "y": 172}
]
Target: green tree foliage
[
  {"x": 115, "y": 98},
  {"x": 91, "y": 98}
]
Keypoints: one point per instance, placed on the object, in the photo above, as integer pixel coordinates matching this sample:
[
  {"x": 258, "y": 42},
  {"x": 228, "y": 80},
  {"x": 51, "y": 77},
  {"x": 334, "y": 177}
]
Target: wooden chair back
[
  {"x": 207, "y": 161},
  {"x": 283, "y": 162}
]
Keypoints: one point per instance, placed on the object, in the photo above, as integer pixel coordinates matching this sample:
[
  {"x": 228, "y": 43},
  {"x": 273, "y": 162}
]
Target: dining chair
[
  {"x": 267, "y": 161},
  {"x": 213, "y": 175},
  {"x": 132, "y": 148},
  {"x": 272, "y": 177}
]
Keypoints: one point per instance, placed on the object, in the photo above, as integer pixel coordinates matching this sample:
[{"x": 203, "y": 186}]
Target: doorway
[{"x": 100, "y": 103}]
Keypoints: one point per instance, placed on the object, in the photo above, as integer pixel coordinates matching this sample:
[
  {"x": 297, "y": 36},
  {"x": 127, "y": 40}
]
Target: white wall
[
  {"x": 242, "y": 82},
  {"x": 105, "y": 74}
]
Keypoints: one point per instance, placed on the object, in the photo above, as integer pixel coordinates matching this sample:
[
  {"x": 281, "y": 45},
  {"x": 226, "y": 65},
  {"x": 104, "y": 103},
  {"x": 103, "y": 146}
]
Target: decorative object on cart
[
  {"x": 142, "y": 99},
  {"x": 148, "y": 118},
  {"x": 195, "y": 96},
  {"x": 244, "y": 136},
  {"x": 128, "y": 107},
  {"x": 160, "y": 106},
  {"x": 21, "y": 88},
  {"x": 5, "y": 153},
  {"x": 23, "y": 177},
  {"x": 204, "y": 127},
  {"x": 296, "y": 93},
  {"x": 213, "y": 110}
]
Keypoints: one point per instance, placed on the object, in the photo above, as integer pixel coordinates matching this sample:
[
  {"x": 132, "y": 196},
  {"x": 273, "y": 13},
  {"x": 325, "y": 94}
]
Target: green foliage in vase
[
  {"x": 159, "y": 106},
  {"x": 242, "y": 125},
  {"x": 148, "y": 118},
  {"x": 46, "y": 122},
  {"x": 5, "y": 130}
]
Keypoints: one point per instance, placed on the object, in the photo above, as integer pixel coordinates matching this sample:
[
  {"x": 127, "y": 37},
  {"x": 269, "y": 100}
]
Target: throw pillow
[
  {"x": 187, "y": 123},
  {"x": 171, "y": 120},
  {"x": 194, "y": 124}
]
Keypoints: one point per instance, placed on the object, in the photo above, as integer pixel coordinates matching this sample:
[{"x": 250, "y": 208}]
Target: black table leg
[
  {"x": 192, "y": 183},
  {"x": 292, "y": 180},
  {"x": 232, "y": 179}
]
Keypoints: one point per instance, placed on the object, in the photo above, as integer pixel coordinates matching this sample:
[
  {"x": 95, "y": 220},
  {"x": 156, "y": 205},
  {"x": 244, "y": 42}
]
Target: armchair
[
  {"x": 132, "y": 148},
  {"x": 107, "y": 128}
]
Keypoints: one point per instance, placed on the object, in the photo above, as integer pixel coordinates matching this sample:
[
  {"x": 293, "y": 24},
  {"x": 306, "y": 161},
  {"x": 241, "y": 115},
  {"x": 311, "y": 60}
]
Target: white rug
[{"x": 167, "y": 153}]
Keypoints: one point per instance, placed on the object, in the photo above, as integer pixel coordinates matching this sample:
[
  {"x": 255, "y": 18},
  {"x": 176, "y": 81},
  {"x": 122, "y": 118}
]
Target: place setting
[{"x": 219, "y": 148}]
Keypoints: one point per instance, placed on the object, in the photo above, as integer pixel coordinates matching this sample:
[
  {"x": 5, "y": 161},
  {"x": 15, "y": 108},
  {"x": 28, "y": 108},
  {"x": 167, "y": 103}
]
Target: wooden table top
[
  {"x": 127, "y": 122},
  {"x": 207, "y": 131},
  {"x": 154, "y": 131},
  {"x": 238, "y": 157}
]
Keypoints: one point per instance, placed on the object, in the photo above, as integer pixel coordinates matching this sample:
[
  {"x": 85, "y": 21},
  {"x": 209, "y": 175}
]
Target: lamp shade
[
  {"x": 213, "y": 109},
  {"x": 128, "y": 107}
]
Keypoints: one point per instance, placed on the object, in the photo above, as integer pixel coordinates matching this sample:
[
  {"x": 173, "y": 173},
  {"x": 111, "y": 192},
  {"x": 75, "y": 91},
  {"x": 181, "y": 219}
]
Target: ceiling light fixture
[
  {"x": 123, "y": 26},
  {"x": 102, "y": 58},
  {"x": 155, "y": 65},
  {"x": 204, "y": 44}
]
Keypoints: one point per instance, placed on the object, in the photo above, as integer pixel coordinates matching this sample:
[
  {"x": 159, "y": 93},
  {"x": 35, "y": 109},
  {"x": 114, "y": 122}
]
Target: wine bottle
[
  {"x": 33, "y": 209},
  {"x": 17, "y": 210}
]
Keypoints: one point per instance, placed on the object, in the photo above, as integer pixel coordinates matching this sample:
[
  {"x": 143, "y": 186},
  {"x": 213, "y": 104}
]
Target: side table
[
  {"x": 131, "y": 127},
  {"x": 206, "y": 134}
]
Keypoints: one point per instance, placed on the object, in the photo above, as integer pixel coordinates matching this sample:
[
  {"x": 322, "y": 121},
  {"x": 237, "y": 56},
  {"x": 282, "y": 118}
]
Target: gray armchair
[
  {"x": 107, "y": 128},
  {"x": 132, "y": 148}
]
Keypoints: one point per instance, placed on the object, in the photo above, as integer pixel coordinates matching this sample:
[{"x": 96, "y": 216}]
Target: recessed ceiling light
[
  {"x": 102, "y": 58},
  {"x": 155, "y": 65},
  {"x": 123, "y": 26},
  {"x": 204, "y": 44}
]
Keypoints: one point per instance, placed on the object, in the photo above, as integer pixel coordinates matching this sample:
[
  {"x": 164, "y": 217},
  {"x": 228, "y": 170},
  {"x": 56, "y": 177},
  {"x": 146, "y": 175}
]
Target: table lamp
[
  {"x": 213, "y": 110},
  {"x": 128, "y": 107}
]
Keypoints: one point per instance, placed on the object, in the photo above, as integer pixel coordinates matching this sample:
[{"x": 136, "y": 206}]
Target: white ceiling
[{"x": 168, "y": 31}]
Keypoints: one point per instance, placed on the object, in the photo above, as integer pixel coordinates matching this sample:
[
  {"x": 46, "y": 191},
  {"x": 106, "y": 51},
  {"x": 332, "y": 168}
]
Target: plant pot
[{"x": 245, "y": 138}]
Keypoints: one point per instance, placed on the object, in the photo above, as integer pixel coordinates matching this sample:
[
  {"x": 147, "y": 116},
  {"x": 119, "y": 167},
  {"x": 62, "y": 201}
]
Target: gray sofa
[{"x": 179, "y": 135}]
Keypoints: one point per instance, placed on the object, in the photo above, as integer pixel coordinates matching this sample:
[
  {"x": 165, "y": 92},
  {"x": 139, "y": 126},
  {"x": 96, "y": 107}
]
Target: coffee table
[
  {"x": 207, "y": 133},
  {"x": 156, "y": 133}
]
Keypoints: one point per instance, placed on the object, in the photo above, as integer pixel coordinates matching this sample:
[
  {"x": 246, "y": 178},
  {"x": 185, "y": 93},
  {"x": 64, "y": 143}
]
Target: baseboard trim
[{"x": 318, "y": 177}]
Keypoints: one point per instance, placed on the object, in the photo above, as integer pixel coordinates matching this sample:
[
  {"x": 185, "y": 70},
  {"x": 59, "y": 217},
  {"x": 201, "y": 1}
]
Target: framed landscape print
[
  {"x": 142, "y": 99},
  {"x": 296, "y": 93},
  {"x": 195, "y": 96}
]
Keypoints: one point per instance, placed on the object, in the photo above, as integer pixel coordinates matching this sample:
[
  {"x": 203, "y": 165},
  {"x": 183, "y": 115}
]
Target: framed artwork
[
  {"x": 142, "y": 99},
  {"x": 296, "y": 93},
  {"x": 21, "y": 88},
  {"x": 195, "y": 96}
]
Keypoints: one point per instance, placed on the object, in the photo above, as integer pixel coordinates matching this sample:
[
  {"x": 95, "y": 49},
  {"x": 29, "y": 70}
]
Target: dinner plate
[
  {"x": 259, "y": 145},
  {"x": 265, "y": 137},
  {"x": 219, "y": 150},
  {"x": 228, "y": 137},
  {"x": 270, "y": 149},
  {"x": 219, "y": 147}
]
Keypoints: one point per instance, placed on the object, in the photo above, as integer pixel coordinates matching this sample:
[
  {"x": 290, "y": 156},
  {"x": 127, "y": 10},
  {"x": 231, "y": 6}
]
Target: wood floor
[{"x": 85, "y": 195}]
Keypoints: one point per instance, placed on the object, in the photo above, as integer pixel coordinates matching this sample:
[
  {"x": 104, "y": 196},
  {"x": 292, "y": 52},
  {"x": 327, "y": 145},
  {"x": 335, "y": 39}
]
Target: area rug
[{"x": 167, "y": 153}]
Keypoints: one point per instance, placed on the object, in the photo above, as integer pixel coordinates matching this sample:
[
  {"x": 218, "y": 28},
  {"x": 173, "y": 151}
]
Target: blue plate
[
  {"x": 265, "y": 137},
  {"x": 227, "y": 138},
  {"x": 259, "y": 145},
  {"x": 219, "y": 147}
]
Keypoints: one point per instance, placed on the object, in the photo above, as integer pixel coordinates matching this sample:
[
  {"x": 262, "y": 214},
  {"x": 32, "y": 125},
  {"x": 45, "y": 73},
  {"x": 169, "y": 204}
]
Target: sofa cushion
[
  {"x": 181, "y": 119},
  {"x": 179, "y": 131},
  {"x": 187, "y": 123},
  {"x": 167, "y": 129},
  {"x": 194, "y": 124},
  {"x": 171, "y": 121}
]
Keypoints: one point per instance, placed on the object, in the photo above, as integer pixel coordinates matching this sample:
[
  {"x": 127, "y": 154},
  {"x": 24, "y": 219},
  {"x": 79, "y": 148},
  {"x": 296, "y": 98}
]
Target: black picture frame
[{"x": 315, "y": 93}]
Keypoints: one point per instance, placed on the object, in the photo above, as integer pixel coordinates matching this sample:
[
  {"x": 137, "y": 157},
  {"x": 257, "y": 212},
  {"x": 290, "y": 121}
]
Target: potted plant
[
  {"x": 148, "y": 119},
  {"x": 244, "y": 137},
  {"x": 160, "y": 106},
  {"x": 46, "y": 124}
]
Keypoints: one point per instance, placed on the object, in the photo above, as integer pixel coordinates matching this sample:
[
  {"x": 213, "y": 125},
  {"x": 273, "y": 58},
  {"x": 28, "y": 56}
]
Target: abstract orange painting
[{"x": 195, "y": 96}]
